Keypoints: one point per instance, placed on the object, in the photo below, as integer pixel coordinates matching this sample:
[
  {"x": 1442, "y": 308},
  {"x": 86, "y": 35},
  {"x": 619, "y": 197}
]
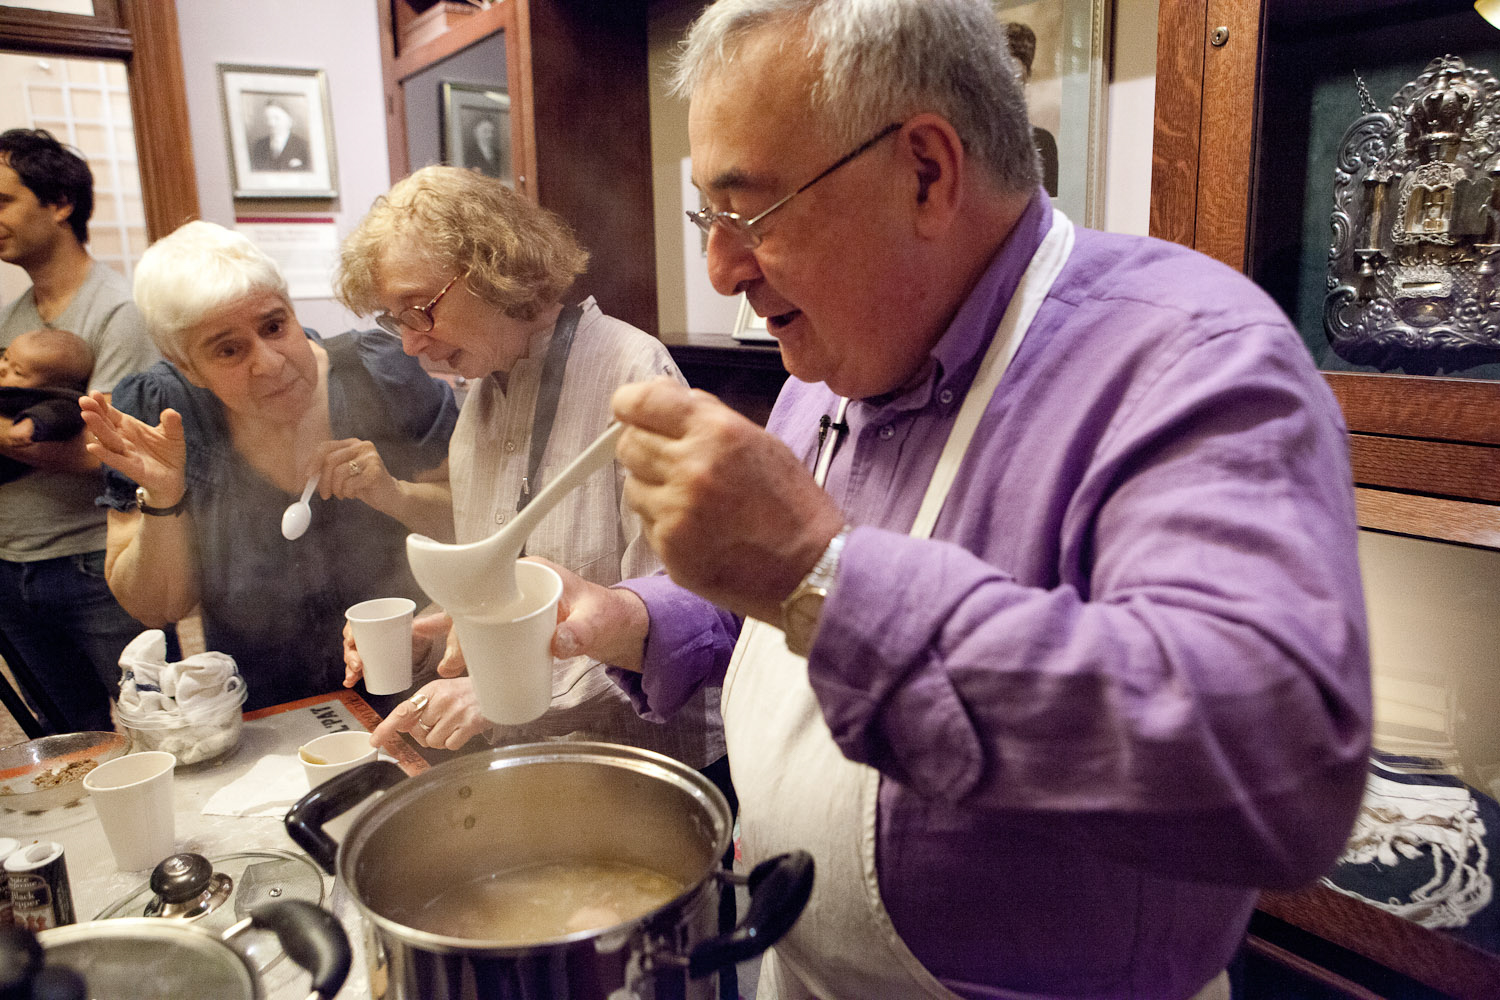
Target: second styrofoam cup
[
  {"x": 382, "y": 634},
  {"x": 334, "y": 753},
  {"x": 132, "y": 796},
  {"x": 510, "y": 661}
]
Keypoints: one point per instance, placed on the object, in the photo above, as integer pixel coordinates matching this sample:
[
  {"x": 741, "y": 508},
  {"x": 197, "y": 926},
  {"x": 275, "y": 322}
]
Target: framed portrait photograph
[
  {"x": 1060, "y": 46},
  {"x": 279, "y": 131},
  {"x": 476, "y": 129}
]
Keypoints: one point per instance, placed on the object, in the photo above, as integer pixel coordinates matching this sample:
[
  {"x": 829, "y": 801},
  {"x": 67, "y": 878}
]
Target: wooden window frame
[{"x": 142, "y": 33}]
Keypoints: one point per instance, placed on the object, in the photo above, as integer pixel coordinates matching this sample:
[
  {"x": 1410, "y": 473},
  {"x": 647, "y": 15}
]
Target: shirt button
[
  {"x": 945, "y": 397},
  {"x": 887, "y": 432},
  {"x": 510, "y": 446},
  {"x": 499, "y": 518}
]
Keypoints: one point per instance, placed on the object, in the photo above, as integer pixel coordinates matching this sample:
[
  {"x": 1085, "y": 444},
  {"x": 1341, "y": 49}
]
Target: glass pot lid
[{"x": 215, "y": 893}]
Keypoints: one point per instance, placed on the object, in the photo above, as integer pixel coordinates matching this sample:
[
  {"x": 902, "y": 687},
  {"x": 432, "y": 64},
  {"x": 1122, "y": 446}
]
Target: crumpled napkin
[
  {"x": 153, "y": 691},
  {"x": 267, "y": 789}
]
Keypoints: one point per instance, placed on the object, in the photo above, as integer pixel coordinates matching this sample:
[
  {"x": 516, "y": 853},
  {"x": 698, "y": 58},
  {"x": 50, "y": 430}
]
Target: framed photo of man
[
  {"x": 476, "y": 129},
  {"x": 1060, "y": 47},
  {"x": 279, "y": 132}
]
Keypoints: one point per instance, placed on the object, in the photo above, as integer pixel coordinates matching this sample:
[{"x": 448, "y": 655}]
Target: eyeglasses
[
  {"x": 744, "y": 229},
  {"x": 417, "y": 319}
]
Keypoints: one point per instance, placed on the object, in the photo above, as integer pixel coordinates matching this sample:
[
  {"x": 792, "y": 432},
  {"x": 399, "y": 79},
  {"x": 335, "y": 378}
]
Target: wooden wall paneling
[
  {"x": 1458, "y": 521},
  {"x": 1446, "y": 409},
  {"x": 158, "y": 104},
  {"x": 522, "y": 125},
  {"x": 1181, "y": 24},
  {"x": 1436, "y": 467},
  {"x": 591, "y": 108}
]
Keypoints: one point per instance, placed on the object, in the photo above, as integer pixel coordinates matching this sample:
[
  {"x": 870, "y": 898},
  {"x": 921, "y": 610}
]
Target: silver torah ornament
[{"x": 1412, "y": 281}]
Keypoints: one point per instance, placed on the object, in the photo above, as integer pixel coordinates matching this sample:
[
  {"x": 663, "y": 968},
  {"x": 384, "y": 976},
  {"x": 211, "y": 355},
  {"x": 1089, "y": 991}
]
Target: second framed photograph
[
  {"x": 279, "y": 131},
  {"x": 476, "y": 129}
]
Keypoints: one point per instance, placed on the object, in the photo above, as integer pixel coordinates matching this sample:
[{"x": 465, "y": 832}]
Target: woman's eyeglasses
[{"x": 417, "y": 319}]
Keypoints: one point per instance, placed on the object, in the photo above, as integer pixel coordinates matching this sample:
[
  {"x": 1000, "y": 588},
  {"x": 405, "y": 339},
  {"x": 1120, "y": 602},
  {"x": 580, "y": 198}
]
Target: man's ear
[
  {"x": 61, "y": 212},
  {"x": 935, "y": 156}
]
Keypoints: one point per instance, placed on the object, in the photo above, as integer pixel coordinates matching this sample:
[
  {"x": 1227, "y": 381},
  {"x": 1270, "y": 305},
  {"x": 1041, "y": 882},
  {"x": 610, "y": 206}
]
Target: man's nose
[{"x": 731, "y": 265}]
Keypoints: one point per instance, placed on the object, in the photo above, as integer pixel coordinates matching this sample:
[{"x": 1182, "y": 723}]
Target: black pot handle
[
  {"x": 779, "y": 889},
  {"x": 313, "y": 938},
  {"x": 334, "y": 797}
]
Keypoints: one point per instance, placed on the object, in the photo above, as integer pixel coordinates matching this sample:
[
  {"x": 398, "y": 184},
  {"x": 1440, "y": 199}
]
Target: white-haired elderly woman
[{"x": 209, "y": 447}]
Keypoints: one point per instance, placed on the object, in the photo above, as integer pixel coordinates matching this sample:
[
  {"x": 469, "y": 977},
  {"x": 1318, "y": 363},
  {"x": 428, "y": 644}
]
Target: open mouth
[{"x": 774, "y": 323}]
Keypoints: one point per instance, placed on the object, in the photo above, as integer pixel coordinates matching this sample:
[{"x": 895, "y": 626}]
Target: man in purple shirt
[{"x": 1047, "y": 639}]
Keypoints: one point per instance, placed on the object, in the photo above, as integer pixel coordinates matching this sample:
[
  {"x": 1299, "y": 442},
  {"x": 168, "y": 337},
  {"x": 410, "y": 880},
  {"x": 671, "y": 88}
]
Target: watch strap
[
  {"x": 150, "y": 511},
  {"x": 802, "y": 608}
]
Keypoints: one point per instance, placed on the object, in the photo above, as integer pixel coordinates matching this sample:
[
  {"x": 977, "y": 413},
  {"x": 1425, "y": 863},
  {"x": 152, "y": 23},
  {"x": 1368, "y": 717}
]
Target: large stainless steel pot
[{"x": 534, "y": 804}]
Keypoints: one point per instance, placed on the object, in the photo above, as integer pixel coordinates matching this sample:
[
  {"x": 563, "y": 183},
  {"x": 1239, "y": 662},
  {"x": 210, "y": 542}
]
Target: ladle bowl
[{"x": 477, "y": 580}]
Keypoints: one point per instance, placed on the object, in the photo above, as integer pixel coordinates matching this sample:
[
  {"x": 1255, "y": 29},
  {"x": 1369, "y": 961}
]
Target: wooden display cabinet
[
  {"x": 1425, "y": 450},
  {"x": 575, "y": 71}
]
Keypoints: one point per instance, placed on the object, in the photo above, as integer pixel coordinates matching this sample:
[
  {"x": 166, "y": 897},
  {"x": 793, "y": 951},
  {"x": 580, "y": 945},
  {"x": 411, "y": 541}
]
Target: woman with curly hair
[{"x": 473, "y": 277}]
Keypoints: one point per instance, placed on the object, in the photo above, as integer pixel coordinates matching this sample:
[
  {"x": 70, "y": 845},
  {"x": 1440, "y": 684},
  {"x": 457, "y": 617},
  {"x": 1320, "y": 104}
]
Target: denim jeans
[{"x": 68, "y": 629}]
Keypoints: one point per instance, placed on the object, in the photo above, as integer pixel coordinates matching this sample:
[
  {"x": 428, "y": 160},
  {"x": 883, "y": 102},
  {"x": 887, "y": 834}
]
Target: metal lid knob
[{"x": 187, "y": 886}]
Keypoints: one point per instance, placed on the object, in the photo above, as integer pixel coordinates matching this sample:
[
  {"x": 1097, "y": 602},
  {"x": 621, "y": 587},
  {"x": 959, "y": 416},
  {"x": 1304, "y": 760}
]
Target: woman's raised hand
[{"x": 155, "y": 457}]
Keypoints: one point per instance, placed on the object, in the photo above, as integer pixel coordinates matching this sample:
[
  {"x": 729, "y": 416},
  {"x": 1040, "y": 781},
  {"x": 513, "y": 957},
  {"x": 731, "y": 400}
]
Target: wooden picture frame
[{"x": 476, "y": 129}]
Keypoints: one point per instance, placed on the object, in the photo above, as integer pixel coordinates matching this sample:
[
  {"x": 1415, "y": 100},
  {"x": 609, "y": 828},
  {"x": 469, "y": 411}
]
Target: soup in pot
[{"x": 545, "y": 901}]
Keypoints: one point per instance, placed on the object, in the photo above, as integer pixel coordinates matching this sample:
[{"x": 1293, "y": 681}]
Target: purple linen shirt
[{"x": 1126, "y": 682}]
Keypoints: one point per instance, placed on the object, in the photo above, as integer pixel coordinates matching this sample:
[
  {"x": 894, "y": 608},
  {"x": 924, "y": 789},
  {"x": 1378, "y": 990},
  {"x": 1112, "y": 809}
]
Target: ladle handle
[{"x": 589, "y": 460}]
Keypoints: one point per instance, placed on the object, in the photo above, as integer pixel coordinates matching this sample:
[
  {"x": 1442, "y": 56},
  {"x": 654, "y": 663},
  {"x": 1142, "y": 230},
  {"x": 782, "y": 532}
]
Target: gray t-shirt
[{"x": 45, "y": 514}]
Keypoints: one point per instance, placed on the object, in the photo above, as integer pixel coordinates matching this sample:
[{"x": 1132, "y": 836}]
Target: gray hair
[
  {"x": 197, "y": 269},
  {"x": 886, "y": 60}
]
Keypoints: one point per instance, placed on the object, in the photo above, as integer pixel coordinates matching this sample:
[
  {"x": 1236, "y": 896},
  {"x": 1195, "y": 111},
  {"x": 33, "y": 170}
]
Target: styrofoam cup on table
[
  {"x": 334, "y": 753},
  {"x": 132, "y": 796}
]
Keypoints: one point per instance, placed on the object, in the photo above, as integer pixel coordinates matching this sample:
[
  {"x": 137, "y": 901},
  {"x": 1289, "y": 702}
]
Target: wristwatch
[
  {"x": 803, "y": 607},
  {"x": 143, "y": 505}
]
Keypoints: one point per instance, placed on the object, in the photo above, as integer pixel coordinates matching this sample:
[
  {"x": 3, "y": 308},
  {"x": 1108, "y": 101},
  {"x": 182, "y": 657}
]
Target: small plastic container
[{"x": 192, "y": 738}]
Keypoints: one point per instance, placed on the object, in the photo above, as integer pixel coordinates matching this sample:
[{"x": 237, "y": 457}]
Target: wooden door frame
[{"x": 143, "y": 33}]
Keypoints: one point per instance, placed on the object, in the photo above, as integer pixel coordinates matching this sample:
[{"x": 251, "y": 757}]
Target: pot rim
[{"x": 636, "y": 759}]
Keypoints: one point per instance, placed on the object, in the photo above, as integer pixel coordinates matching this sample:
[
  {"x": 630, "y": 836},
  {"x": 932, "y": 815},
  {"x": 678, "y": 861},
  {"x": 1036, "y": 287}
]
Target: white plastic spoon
[
  {"x": 296, "y": 518},
  {"x": 478, "y": 580}
]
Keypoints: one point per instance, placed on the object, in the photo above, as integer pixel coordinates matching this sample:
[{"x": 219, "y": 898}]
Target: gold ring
[
  {"x": 425, "y": 727},
  {"x": 353, "y": 468},
  {"x": 419, "y": 702}
]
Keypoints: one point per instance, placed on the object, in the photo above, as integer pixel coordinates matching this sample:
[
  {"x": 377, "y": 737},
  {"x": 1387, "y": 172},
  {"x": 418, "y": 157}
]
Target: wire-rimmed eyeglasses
[
  {"x": 744, "y": 229},
  {"x": 417, "y": 319}
]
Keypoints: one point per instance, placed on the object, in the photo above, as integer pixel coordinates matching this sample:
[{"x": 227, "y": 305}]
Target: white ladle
[
  {"x": 296, "y": 518},
  {"x": 478, "y": 580}
]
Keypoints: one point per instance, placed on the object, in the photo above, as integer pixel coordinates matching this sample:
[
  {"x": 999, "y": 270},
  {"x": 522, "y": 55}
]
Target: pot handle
[
  {"x": 313, "y": 938},
  {"x": 334, "y": 797},
  {"x": 779, "y": 889}
]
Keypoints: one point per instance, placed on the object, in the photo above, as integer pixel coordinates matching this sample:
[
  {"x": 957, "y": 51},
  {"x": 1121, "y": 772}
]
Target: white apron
[{"x": 798, "y": 790}]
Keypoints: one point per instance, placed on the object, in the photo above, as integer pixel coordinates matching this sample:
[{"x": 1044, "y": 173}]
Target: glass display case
[{"x": 1346, "y": 155}]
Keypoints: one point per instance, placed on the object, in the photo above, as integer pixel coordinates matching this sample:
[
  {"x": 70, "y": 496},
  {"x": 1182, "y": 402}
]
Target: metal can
[
  {"x": 40, "y": 895},
  {"x": 8, "y": 846}
]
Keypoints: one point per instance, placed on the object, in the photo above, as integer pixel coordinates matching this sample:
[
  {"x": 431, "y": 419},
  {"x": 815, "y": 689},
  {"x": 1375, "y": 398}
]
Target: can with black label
[
  {"x": 8, "y": 846},
  {"x": 40, "y": 896}
]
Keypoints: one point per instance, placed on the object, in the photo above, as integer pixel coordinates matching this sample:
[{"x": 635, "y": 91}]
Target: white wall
[{"x": 340, "y": 37}]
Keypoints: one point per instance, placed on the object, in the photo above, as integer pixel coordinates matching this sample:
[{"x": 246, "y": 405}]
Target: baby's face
[{"x": 22, "y": 365}]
